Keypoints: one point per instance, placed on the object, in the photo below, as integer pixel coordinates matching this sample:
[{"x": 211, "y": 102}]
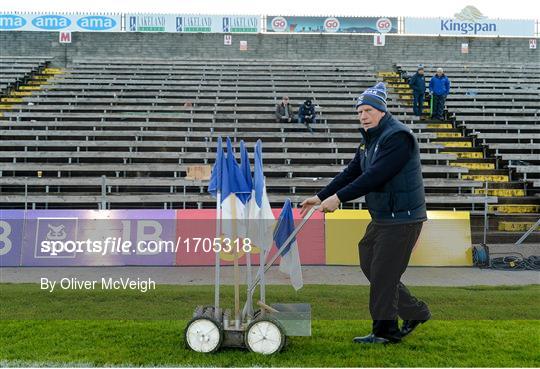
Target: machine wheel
[
  {"x": 203, "y": 334},
  {"x": 265, "y": 336}
]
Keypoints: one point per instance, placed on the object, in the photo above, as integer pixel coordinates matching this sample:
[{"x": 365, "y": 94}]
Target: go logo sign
[
  {"x": 331, "y": 25},
  {"x": 279, "y": 24},
  {"x": 384, "y": 25}
]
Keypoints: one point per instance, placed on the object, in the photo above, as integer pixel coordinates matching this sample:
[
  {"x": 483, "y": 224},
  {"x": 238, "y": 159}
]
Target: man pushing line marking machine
[{"x": 243, "y": 210}]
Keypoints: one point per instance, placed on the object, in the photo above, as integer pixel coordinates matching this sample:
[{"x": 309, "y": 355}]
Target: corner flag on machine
[
  {"x": 235, "y": 193},
  {"x": 216, "y": 178},
  {"x": 228, "y": 180},
  {"x": 290, "y": 258},
  {"x": 261, "y": 220}
]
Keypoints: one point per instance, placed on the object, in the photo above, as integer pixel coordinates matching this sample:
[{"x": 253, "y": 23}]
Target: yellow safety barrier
[
  {"x": 29, "y": 88},
  {"x": 449, "y": 135},
  {"x": 20, "y": 93},
  {"x": 387, "y": 74},
  {"x": 445, "y": 239},
  {"x": 516, "y": 226},
  {"x": 439, "y": 125},
  {"x": 466, "y": 154},
  {"x": 52, "y": 71},
  {"x": 455, "y": 143},
  {"x": 514, "y": 208},
  {"x": 11, "y": 99},
  {"x": 475, "y": 166},
  {"x": 6, "y": 107},
  {"x": 486, "y": 177},
  {"x": 502, "y": 192}
]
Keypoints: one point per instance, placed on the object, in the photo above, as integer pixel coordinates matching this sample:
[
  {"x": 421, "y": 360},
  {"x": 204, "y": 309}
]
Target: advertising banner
[
  {"x": 192, "y": 23},
  {"x": 331, "y": 24},
  {"x": 469, "y": 22},
  {"x": 11, "y": 233},
  {"x": 200, "y": 224},
  {"x": 60, "y": 22},
  {"x": 93, "y": 238}
]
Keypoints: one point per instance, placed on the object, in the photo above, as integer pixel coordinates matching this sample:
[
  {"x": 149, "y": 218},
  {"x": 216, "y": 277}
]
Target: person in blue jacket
[
  {"x": 387, "y": 170},
  {"x": 439, "y": 86},
  {"x": 418, "y": 85}
]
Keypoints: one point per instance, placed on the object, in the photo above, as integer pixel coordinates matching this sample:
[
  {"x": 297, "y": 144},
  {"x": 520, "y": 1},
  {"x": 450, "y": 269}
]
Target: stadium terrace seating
[
  {"x": 18, "y": 69},
  {"x": 141, "y": 124},
  {"x": 498, "y": 107}
]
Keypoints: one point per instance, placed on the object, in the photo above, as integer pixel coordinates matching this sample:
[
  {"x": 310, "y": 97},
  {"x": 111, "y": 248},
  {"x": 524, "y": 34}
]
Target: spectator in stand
[
  {"x": 439, "y": 87},
  {"x": 284, "y": 112},
  {"x": 418, "y": 85},
  {"x": 307, "y": 114}
]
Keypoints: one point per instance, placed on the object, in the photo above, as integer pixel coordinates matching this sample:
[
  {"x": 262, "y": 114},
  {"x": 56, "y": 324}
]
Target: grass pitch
[{"x": 471, "y": 326}]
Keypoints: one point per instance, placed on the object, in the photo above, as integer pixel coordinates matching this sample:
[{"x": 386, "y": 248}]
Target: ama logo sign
[
  {"x": 51, "y": 22},
  {"x": 11, "y": 22},
  {"x": 96, "y": 23}
]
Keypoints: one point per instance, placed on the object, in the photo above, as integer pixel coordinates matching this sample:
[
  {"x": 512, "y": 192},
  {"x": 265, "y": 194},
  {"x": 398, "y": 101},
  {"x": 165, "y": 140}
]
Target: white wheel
[
  {"x": 265, "y": 337},
  {"x": 203, "y": 335}
]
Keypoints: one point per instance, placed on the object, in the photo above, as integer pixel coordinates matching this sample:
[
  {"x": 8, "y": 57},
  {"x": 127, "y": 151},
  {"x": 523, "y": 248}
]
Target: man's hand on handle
[
  {"x": 330, "y": 204},
  {"x": 327, "y": 206},
  {"x": 308, "y": 203}
]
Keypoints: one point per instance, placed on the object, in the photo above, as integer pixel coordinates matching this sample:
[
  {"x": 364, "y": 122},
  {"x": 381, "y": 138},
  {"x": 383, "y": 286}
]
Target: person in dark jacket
[
  {"x": 307, "y": 114},
  {"x": 418, "y": 86},
  {"x": 284, "y": 113},
  {"x": 439, "y": 86},
  {"x": 386, "y": 169}
]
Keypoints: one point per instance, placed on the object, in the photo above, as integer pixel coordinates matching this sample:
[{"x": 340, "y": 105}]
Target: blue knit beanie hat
[{"x": 374, "y": 96}]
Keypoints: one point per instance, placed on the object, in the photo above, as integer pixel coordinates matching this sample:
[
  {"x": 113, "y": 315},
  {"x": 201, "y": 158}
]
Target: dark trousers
[
  {"x": 303, "y": 119},
  {"x": 418, "y": 103},
  {"x": 438, "y": 106},
  {"x": 384, "y": 254}
]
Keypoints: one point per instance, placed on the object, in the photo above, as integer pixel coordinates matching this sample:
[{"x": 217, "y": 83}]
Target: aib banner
[
  {"x": 130, "y": 237},
  {"x": 87, "y": 237},
  {"x": 469, "y": 22},
  {"x": 192, "y": 23},
  {"x": 60, "y": 22},
  {"x": 331, "y": 24}
]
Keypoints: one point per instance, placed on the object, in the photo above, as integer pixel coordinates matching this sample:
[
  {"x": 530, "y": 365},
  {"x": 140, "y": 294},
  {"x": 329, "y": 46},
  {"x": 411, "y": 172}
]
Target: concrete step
[
  {"x": 516, "y": 226},
  {"x": 498, "y": 237},
  {"x": 523, "y": 208}
]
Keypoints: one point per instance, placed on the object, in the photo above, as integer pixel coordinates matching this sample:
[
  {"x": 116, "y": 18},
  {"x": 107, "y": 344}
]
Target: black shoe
[
  {"x": 371, "y": 338},
  {"x": 410, "y": 325}
]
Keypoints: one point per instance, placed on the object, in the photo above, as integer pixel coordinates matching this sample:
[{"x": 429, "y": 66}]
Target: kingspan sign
[
  {"x": 60, "y": 22},
  {"x": 469, "y": 22}
]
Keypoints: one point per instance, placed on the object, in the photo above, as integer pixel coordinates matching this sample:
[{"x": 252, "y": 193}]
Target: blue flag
[
  {"x": 234, "y": 181},
  {"x": 245, "y": 167},
  {"x": 216, "y": 178},
  {"x": 261, "y": 218},
  {"x": 290, "y": 258}
]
